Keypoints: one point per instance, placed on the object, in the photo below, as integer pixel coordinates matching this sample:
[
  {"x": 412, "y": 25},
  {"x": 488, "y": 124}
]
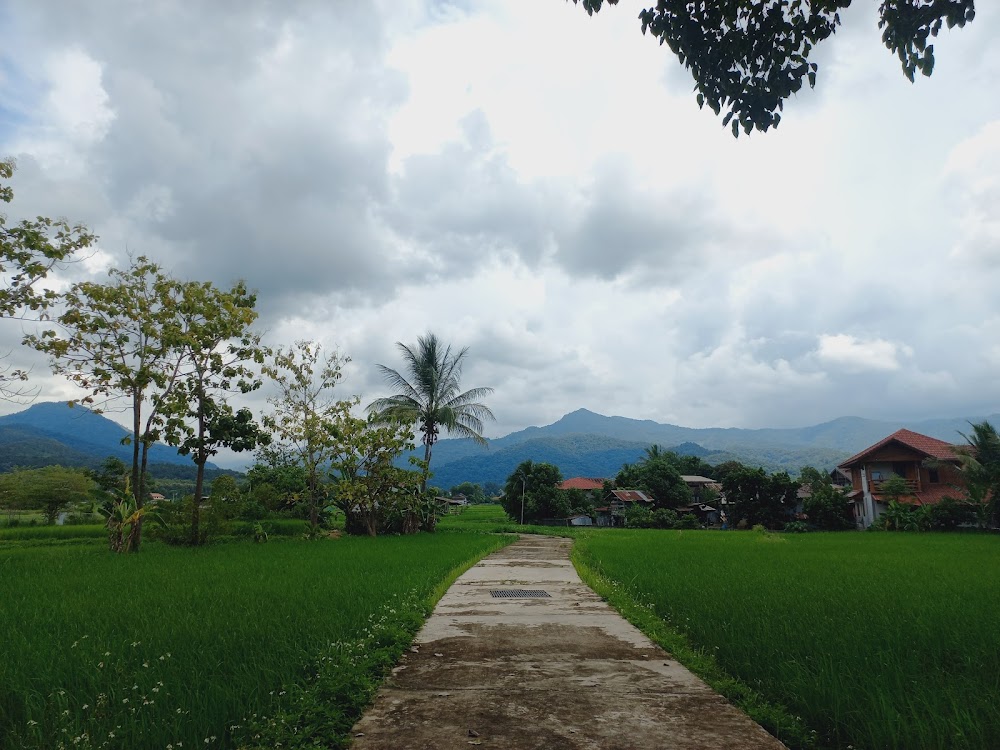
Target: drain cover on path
[{"x": 519, "y": 594}]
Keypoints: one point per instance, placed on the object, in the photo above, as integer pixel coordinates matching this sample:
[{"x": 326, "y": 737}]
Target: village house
[
  {"x": 617, "y": 502},
  {"x": 929, "y": 466},
  {"x": 582, "y": 483}
]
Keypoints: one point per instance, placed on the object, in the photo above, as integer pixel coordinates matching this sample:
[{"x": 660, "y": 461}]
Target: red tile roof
[
  {"x": 930, "y": 447},
  {"x": 929, "y": 496},
  {"x": 582, "y": 483}
]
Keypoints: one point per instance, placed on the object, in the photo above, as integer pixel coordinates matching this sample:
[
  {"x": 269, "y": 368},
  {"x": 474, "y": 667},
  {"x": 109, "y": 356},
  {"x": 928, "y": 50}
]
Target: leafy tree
[
  {"x": 656, "y": 475},
  {"x": 472, "y": 491},
  {"x": 304, "y": 412},
  {"x": 432, "y": 396},
  {"x": 813, "y": 477},
  {"x": 50, "y": 489},
  {"x": 216, "y": 344},
  {"x": 492, "y": 489},
  {"x": 980, "y": 467},
  {"x": 537, "y": 484},
  {"x": 276, "y": 480},
  {"x": 121, "y": 342},
  {"x": 29, "y": 251},
  {"x": 370, "y": 488},
  {"x": 827, "y": 507},
  {"x": 756, "y": 498},
  {"x": 894, "y": 488},
  {"x": 749, "y": 56},
  {"x": 723, "y": 470},
  {"x": 580, "y": 501},
  {"x": 111, "y": 476}
]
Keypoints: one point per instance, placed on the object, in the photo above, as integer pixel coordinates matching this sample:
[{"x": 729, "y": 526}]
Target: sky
[{"x": 536, "y": 185}]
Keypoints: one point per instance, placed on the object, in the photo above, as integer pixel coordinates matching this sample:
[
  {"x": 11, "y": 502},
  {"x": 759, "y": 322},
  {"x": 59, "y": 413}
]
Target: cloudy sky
[{"x": 539, "y": 186}]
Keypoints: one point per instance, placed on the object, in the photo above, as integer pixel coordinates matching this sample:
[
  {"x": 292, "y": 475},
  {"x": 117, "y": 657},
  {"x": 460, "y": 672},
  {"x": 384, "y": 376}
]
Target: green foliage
[
  {"x": 828, "y": 507},
  {"x": 754, "y": 497},
  {"x": 796, "y": 527},
  {"x": 123, "y": 518},
  {"x": 51, "y": 490},
  {"x": 241, "y": 628},
  {"x": 472, "y": 491},
  {"x": 303, "y": 412},
  {"x": 980, "y": 467},
  {"x": 876, "y": 641},
  {"x": 29, "y": 251},
  {"x": 534, "y": 487},
  {"x": 946, "y": 515},
  {"x": 120, "y": 341},
  {"x": 217, "y": 347},
  {"x": 638, "y": 517},
  {"x": 432, "y": 396},
  {"x": 749, "y": 56},
  {"x": 658, "y": 476},
  {"x": 369, "y": 488},
  {"x": 894, "y": 488},
  {"x": 664, "y": 518}
]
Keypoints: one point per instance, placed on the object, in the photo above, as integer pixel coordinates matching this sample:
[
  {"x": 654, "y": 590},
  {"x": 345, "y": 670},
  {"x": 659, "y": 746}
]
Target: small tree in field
[
  {"x": 304, "y": 411},
  {"x": 217, "y": 347},
  {"x": 369, "y": 488},
  {"x": 119, "y": 341}
]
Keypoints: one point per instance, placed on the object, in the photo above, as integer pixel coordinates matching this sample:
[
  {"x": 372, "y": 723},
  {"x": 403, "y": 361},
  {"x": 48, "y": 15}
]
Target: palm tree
[
  {"x": 980, "y": 467},
  {"x": 432, "y": 396}
]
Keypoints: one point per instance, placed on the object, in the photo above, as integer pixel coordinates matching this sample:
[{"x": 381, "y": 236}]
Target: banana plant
[{"x": 123, "y": 518}]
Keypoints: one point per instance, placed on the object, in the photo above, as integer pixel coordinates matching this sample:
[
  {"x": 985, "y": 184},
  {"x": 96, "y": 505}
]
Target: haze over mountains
[{"x": 582, "y": 443}]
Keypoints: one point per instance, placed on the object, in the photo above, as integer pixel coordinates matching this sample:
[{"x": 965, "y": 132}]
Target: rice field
[
  {"x": 875, "y": 640},
  {"x": 178, "y": 647}
]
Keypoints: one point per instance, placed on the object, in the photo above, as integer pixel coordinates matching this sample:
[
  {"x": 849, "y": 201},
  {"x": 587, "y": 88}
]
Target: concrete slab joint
[{"x": 562, "y": 672}]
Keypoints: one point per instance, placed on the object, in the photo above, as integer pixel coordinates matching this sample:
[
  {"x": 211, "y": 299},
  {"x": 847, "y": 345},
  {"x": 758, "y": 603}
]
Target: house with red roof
[
  {"x": 929, "y": 466},
  {"x": 582, "y": 483}
]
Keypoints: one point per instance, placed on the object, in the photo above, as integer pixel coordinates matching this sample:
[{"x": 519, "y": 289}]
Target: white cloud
[
  {"x": 860, "y": 355},
  {"x": 539, "y": 185}
]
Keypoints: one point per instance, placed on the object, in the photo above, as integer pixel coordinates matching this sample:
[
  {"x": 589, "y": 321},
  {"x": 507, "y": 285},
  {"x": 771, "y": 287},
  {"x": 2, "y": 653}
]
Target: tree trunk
[
  {"x": 428, "y": 444},
  {"x": 199, "y": 482},
  {"x": 136, "y": 427}
]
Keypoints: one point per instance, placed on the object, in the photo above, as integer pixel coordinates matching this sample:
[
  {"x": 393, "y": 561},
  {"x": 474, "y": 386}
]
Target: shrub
[
  {"x": 638, "y": 517},
  {"x": 688, "y": 521},
  {"x": 664, "y": 518},
  {"x": 796, "y": 527}
]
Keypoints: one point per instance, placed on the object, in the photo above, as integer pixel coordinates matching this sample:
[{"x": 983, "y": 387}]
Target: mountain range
[
  {"x": 581, "y": 443},
  {"x": 55, "y": 433}
]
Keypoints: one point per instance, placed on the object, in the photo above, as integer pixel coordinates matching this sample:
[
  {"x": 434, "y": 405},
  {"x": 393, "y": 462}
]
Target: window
[
  {"x": 932, "y": 476},
  {"x": 899, "y": 469}
]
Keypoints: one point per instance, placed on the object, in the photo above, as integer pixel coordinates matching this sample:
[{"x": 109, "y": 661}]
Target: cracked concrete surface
[{"x": 565, "y": 672}]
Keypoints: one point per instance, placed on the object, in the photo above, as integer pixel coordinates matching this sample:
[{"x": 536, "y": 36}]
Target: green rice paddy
[
  {"x": 875, "y": 640},
  {"x": 178, "y": 647}
]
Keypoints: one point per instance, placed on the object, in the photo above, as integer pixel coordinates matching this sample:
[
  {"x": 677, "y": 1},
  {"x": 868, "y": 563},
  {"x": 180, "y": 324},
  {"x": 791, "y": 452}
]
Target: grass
[
  {"x": 874, "y": 640},
  {"x": 210, "y": 646},
  {"x": 491, "y": 519}
]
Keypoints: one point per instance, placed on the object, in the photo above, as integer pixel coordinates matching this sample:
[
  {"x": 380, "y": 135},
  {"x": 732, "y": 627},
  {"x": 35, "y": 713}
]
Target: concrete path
[{"x": 560, "y": 672}]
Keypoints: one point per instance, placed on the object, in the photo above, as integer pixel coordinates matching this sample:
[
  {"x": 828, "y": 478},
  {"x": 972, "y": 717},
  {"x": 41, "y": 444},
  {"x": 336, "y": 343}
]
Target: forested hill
[
  {"x": 54, "y": 433},
  {"x": 583, "y": 443}
]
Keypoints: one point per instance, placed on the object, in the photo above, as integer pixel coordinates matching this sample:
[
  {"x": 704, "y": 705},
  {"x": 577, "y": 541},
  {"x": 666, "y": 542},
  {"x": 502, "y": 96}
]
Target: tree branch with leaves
[
  {"x": 29, "y": 251},
  {"x": 749, "y": 56}
]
